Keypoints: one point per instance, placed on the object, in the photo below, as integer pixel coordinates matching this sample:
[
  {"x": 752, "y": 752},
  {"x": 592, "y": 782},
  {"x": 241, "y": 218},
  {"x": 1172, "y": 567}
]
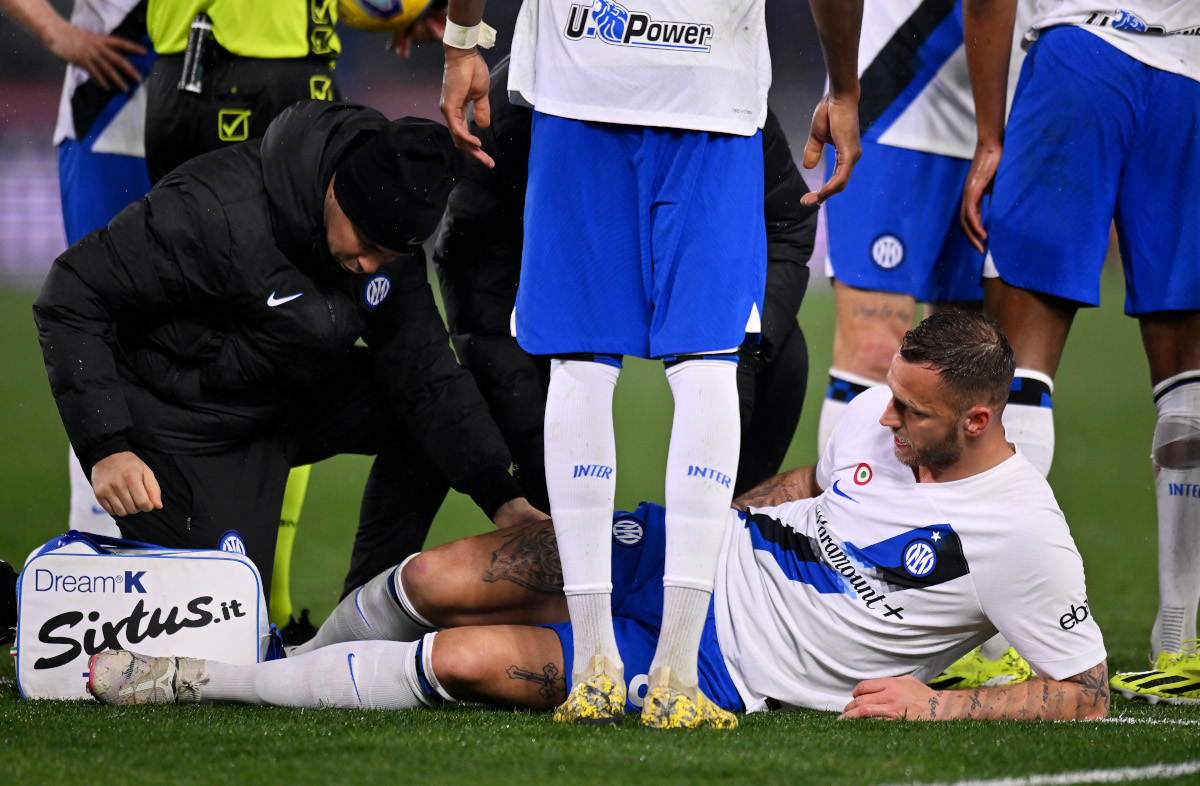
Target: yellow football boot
[
  {"x": 667, "y": 707},
  {"x": 597, "y": 698}
]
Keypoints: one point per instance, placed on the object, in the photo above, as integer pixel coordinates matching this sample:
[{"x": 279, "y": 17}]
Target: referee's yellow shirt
[{"x": 249, "y": 28}]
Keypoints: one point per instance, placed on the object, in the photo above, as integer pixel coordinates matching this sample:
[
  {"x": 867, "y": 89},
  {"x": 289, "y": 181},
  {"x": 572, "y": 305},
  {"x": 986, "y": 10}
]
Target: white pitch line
[
  {"x": 1150, "y": 721},
  {"x": 1120, "y": 775}
]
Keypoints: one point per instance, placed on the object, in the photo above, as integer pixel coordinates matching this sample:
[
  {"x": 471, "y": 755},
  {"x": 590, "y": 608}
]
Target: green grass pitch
[{"x": 1101, "y": 475}]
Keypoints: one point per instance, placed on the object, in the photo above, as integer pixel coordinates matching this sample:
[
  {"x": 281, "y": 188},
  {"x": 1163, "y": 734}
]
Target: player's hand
[
  {"x": 980, "y": 178},
  {"x": 517, "y": 512},
  {"x": 835, "y": 122},
  {"x": 124, "y": 484},
  {"x": 104, "y": 57},
  {"x": 429, "y": 28},
  {"x": 465, "y": 80},
  {"x": 894, "y": 698}
]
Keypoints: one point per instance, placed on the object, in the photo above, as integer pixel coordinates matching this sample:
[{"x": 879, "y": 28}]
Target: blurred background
[{"x": 31, "y": 232}]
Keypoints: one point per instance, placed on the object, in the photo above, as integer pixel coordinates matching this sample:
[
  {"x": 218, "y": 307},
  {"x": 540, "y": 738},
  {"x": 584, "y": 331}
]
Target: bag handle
[{"x": 100, "y": 543}]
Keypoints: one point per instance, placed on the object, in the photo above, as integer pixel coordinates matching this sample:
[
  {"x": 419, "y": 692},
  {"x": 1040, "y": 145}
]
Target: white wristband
[{"x": 459, "y": 37}]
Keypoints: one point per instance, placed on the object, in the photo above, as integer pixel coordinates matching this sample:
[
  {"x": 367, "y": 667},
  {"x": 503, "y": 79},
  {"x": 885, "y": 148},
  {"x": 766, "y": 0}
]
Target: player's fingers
[
  {"x": 867, "y": 687},
  {"x": 482, "y": 157},
  {"x": 856, "y": 709},
  {"x": 129, "y": 69},
  {"x": 459, "y": 132},
  {"x": 971, "y": 218},
  {"x": 483, "y": 111},
  {"x": 837, "y": 181},
  {"x": 812, "y": 152},
  {"x": 125, "y": 45},
  {"x": 98, "y": 74},
  {"x": 400, "y": 43},
  {"x": 110, "y": 72}
]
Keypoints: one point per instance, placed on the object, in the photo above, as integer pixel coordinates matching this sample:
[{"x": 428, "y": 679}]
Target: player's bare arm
[
  {"x": 1084, "y": 696},
  {"x": 835, "y": 120},
  {"x": 988, "y": 31},
  {"x": 125, "y": 485},
  {"x": 104, "y": 57},
  {"x": 465, "y": 81},
  {"x": 799, "y": 483}
]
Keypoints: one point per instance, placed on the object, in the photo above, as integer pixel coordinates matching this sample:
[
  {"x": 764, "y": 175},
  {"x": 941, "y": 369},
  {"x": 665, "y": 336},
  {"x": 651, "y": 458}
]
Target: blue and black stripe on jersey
[
  {"x": 90, "y": 101},
  {"x": 906, "y": 64},
  {"x": 920, "y": 557}
]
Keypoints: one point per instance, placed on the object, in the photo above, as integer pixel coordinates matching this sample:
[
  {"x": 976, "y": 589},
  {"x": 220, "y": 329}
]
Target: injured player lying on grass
[{"x": 844, "y": 587}]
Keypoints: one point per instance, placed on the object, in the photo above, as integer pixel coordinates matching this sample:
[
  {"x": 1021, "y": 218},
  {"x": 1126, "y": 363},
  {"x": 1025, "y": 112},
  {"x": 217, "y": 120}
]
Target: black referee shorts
[{"x": 240, "y": 98}]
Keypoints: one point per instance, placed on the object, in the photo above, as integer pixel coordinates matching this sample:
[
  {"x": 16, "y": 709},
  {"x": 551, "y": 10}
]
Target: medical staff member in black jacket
[{"x": 205, "y": 342}]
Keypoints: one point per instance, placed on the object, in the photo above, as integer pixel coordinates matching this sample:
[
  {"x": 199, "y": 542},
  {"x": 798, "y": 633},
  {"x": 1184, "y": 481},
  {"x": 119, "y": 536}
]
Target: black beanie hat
[{"x": 394, "y": 187}]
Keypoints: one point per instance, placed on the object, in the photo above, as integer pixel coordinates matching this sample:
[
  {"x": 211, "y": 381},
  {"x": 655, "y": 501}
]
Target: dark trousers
[
  {"x": 241, "y": 489},
  {"x": 240, "y": 98}
]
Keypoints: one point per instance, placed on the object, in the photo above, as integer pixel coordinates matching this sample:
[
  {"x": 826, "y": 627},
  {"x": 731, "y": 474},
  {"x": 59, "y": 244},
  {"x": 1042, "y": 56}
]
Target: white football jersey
[
  {"x": 123, "y": 132},
  {"x": 912, "y": 65},
  {"x": 691, "y": 64},
  {"x": 881, "y": 576},
  {"x": 1164, "y": 34}
]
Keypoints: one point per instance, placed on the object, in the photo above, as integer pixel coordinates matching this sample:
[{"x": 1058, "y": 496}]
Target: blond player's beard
[{"x": 939, "y": 455}]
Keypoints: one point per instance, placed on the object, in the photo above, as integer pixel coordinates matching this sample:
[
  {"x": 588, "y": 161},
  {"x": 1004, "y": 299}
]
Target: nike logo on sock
[
  {"x": 353, "y": 681},
  {"x": 273, "y": 301}
]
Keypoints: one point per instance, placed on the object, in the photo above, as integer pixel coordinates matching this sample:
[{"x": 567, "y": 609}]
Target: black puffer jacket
[{"x": 187, "y": 323}]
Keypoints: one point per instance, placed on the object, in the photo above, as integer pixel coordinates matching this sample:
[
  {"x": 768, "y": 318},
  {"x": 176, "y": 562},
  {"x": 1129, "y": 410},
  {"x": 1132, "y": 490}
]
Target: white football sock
[
  {"x": 701, "y": 465},
  {"x": 995, "y": 647},
  {"x": 843, "y": 387},
  {"x": 86, "y": 515},
  {"x": 581, "y": 458},
  {"x": 1029, "y": 419},
  {"x": 1176, "y": 459},
  {"x": 377, "y": 675},
  {"x": 372, "y": 612}
]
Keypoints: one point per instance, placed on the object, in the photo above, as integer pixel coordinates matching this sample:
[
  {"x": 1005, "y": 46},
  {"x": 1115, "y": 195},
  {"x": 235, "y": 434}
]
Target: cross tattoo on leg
[{"x": 547, "y": 679}]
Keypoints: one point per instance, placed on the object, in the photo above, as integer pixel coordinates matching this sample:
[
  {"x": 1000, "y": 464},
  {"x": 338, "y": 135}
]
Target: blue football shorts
[
  {"x": 640, "y": 241},
  {"x": 639, "y": 548},
  {"x": 1095, "y": 134},
  {"x": 895, "y": 227},
  {"x": 96, "y": 186}
]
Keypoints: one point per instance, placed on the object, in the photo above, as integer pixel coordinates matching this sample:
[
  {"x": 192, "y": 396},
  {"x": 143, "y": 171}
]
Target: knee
[
  {"x": 459, "y": 662},
  {"x": 434, "y": 583},
  {"x": 423, "y": 581}
]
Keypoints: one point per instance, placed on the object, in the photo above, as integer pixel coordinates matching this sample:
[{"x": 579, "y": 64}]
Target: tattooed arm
[
  {"x": 1082, "y": 697},
  {"x": 799, "y": 483}
]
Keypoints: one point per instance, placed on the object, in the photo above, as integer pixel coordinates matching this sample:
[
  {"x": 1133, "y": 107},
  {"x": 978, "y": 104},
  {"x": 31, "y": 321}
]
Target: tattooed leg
[
  {"x": 511, "y": 576},
  {"x": 509, "y": 665}
]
